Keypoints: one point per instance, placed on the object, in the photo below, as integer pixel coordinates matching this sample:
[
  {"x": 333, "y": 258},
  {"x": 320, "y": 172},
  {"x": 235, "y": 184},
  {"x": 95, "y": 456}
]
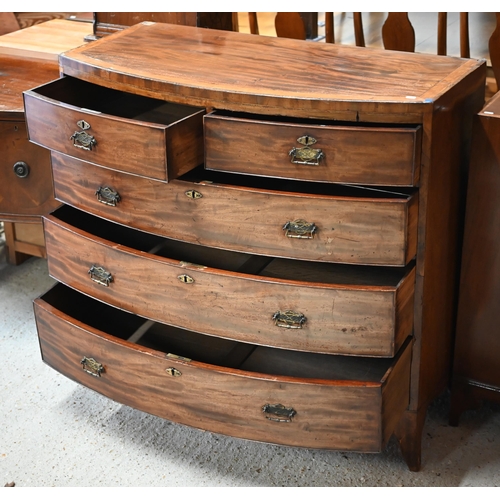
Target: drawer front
[
  {"x": 342, "y": 154},
  {"x": 156, "y": 150},
  {"x": 255, "y": 308},
  {"x": 328, "y": 414},
  {"x": 374, "y": 231},
  {"x": 25, "y": 176}
]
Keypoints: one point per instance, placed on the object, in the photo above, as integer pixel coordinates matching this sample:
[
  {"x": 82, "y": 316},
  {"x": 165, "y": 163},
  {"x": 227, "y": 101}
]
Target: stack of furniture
[{"x": 256, "y": 239}]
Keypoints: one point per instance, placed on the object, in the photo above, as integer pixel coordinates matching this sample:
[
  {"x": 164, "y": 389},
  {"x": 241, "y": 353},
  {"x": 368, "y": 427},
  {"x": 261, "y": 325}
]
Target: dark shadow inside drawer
[
  {"x": 188, "y": 346},
  {"x": 206, "y": 257},
  {"x": 99, "y": 99},
  {"x": 201, "y": 176}
]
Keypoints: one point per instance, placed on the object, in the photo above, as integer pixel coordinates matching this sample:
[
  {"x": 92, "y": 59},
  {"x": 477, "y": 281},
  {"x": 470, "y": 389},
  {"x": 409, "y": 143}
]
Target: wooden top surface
[
  {"x": 262, "y": 74},
  {"x": 17, "y": 75},
  {"x": 29, "y": 58},
  {"x": 45, "y": 40}
]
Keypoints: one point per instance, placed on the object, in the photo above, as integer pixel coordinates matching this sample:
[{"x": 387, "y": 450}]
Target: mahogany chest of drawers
[{"x": 259, "y": 236}]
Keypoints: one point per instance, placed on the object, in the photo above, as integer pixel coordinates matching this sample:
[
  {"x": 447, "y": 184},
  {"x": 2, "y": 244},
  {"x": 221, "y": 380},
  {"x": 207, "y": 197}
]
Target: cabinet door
[{"x": 26, "y": 190}]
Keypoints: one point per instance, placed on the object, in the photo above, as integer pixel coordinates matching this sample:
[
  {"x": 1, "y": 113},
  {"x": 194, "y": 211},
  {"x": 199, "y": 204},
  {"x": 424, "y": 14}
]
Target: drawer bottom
[{"x": 252, "y": 392}]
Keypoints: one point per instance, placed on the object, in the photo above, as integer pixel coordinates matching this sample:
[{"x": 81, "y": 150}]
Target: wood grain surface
[
  {"x": 330, "y": 414},
  {"x": 262, "y": 73},
  {"x": 365, "y": 227},
  {"x": 351, "y": 318}
]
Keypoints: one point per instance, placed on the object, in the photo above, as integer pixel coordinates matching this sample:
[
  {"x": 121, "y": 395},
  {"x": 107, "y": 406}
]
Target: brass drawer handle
[
  {"x": 306, "y": 155},
  {"x": 81, "y": 139},
  {"x": 90, "y": 365},
  {"x": 21, "y": 169},
  {"x": 289, "y": 319},
  {"x": 300, "y": 228},
  {"x": 100, "y": 275},
  {"x": 108, "y": 196},
  {"x": 278, "y": 412}
]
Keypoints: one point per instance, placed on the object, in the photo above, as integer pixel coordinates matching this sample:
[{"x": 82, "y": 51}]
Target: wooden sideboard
[
  {"x": 28, "y": 58},
  {"x": 476, "y": 375},
  {"x": 259, "y": 236}
]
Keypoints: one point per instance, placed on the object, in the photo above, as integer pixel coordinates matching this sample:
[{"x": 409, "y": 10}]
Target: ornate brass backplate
[
  {"x": 82, "y": 139},
  {"x": 90, "y": 365},
  {"x": 100, "y": 275},
  {"x": 289, "y": 319},
  {"x": 278, "y": 412},
  {"x": 306, "y": 155},
  {"x": 108, "y": 196},
  {"x": 299, "y": 228}
]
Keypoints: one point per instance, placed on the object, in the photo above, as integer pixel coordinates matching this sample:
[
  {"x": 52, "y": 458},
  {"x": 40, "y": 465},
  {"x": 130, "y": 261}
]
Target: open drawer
[
  {"x": 258, "y": 393},
  {"x": 130, "y": 133},
  {"x": 381, "y": 155},
  {"x": 306, "y": 306},
  {"x": 298, "y": 220}
]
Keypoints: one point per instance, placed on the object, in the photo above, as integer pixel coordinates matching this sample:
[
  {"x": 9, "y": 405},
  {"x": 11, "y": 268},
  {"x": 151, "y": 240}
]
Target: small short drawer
[
  {"x": 305, "y": 306},
  {"x": 325, "y": 152},
  {"x": 291, "y": 219},
  {"x": 122, "y": 131},
  {"x": 258, "y": 393}
]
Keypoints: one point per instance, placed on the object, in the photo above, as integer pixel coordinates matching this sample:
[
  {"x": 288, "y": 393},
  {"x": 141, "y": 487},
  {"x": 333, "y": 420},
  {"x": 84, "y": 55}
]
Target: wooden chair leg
[
  {"x": 464, "y": 35},
  {"x": 442, "y": 33},
  {"x": 359, "y": 35},
  {"x": 329, "y": 28},
  {"x": 254, "y": 25}
]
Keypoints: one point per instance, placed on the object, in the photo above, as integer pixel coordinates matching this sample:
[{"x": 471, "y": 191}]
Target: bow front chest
[{"x": 259, "y": 237}]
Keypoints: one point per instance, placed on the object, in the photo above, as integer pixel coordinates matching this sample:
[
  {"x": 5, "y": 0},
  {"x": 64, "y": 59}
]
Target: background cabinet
[
  {"x": 28, "y": 58},
  {"x": 476, "y": 374}
]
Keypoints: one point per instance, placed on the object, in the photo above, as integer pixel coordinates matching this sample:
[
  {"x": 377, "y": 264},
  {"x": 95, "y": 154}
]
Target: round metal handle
[{"x": 21, "y": 169}]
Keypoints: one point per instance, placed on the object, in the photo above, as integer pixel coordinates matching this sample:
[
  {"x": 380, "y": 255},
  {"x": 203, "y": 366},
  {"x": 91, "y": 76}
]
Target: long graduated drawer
[
  {"x": 124, "y": 131},
  {"x": 258, "y": 393},
  {"x": 298, "y": 220},
  {"x": 306, "y": 306},
  {"x": 312, "y": 150}
]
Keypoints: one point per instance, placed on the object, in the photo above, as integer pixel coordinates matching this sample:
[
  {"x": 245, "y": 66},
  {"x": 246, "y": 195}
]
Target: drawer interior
[
  {"x": 239, "y": 115},
  {"x": 272, "y": 267},
  {"x": 175, "y": 342},
  {"x": 200, "y": 175},
  {"x": 99, "y": 99}
]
